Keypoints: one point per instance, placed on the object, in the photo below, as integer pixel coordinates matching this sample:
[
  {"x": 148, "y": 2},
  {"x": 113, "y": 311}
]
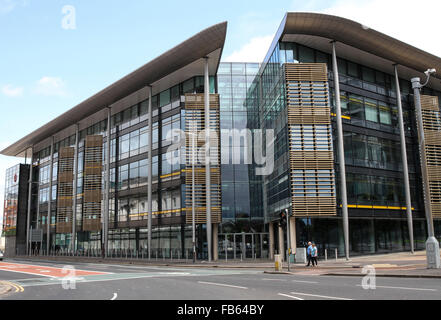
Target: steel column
[
  {"x": 107, "y": 191},
  {"x": 207, "y": 158},
  {"x": 271, "y": 241},
  {"x": 404, "y": 160},
  {"x": 75, "y": 183},
  {"x": 28, "y": 222},
  {"x": 193, "y": 200},
  {"x": 150, "y": 171},
  {"x": 49, "y": 207},
  {"x": 341, "y": 151}
]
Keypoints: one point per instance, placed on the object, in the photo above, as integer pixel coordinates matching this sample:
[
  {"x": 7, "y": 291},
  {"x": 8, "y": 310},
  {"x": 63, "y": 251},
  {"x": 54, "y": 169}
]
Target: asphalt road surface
[{"x": 49, "y": 281}]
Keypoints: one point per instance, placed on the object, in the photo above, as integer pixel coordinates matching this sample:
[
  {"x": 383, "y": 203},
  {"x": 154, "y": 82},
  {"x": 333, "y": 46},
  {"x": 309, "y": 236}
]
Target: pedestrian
[
  {"x": 308, "y": 253},
  {"x": 314, "y": 254}
]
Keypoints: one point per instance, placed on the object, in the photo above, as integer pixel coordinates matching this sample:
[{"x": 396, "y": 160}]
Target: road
[{"x": 44, "y": 281}]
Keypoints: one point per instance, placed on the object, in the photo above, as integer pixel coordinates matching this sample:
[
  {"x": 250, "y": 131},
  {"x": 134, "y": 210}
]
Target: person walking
[
  {"x": 314, "y": 255},
  {"x": 308, "y": 253}
]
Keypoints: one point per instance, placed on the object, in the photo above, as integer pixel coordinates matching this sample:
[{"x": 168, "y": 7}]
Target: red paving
[{"x": 44, "y": 270}]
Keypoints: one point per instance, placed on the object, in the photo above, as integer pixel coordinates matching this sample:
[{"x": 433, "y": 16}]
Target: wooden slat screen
[
  {"x": 432, "y": 135},
  {"x": 310, "y": 140},
  {"x": 195, "y": 122},
  {"x": 93, "y": 164},
  {"x": 65, "y": 190}
]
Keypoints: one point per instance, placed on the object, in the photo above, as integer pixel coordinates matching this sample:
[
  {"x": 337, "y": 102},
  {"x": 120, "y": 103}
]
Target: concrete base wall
[{"x": 10, "y": 247}]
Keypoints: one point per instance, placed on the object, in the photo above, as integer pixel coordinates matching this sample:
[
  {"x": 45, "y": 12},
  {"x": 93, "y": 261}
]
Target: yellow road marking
[{"x": 17, "y": 287}]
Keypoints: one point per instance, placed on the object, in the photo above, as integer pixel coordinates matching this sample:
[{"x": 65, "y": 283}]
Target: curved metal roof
[
  {"x": 199, "y": 46},
  {"x": 358, "y": 36}
]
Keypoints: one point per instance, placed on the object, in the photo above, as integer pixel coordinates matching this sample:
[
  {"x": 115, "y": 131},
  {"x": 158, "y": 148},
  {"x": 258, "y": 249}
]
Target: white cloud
[
  {"x": 7, "y": 6},
  {"x": 50, "y": 86},
  {"x": 11, "y": 91},
  {"x": 253, "y": 51},
  {"x": 406, "y": 20}
]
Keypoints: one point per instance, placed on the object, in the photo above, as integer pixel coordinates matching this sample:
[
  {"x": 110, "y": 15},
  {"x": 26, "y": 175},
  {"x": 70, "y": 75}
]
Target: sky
[{"x": 55, "y": 54}]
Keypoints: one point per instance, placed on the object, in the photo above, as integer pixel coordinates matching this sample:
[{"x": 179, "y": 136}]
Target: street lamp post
[{"x": 432, "y": 245}]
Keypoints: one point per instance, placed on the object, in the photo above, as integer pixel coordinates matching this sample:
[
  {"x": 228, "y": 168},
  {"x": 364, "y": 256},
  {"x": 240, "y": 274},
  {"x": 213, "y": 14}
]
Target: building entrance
[{"x": 241, "y": 246}]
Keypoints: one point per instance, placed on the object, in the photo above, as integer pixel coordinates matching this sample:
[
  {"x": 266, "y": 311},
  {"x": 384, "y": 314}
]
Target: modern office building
[{"x": 115, "y": 172}]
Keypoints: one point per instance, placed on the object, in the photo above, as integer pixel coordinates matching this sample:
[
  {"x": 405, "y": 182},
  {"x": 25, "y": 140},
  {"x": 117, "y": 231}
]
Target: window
[
  {"x": 124, "y": 147},
  {"x": 385, "y": 114},
  {"x": 123, "y": 177},
  {"x": 356, "y": 109},
  {"x": 143, "y": 172},
  {"x": 306, "y": 54},
  {"x": 143, "y": 140},
  {"x": 134, "y": 143},
  {"x": 371, "y": 110},
  {"x": 134, "y": 174}
]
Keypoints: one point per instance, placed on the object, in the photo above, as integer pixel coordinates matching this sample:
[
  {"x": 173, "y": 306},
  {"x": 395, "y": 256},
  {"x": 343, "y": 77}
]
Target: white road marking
[
  {"x": 292, "y": 297},
  {"x": 402, "y": 288},
  {"x": 284, "y": 280},
  {"x": 114, "y": 296},
  {"x": 318, "y": 296},
  {"x": 26, "y": 272},
  {"x": 301, "y": 281},
  {"x": 221, "y": 284},
  {"x": 273, "y": 279}
]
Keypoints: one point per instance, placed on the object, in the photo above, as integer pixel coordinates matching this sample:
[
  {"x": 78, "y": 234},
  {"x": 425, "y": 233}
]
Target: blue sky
[{"x": 46, "y": 69}]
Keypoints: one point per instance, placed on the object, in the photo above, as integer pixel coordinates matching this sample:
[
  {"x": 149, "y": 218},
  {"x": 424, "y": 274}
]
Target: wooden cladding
[
  {"x": 65, "y": 190},
  {"x": 432, "y": 136},
  {"x": 93, "y": 165},
  {"x": 310, "y": 140},
  {"x": 195, "y": 147}
]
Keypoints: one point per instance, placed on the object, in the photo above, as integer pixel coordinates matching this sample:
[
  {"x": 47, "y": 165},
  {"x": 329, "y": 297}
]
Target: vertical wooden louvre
[
  {"x": 195, "y": 122},
  {"x": 93, "y": 164},
  {"x": 310, "y": 140},
  {"x": 432, "y": 135},
  {"x": 65, "y": 190}
]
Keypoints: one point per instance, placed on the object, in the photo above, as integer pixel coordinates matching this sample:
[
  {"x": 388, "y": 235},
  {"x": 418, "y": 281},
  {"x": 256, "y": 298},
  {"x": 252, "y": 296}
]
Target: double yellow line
[{"x": 17, "y": 287}]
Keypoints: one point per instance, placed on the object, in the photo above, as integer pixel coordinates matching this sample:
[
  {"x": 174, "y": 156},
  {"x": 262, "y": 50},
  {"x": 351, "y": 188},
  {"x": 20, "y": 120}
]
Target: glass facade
[
  {"x": 128, "y": 180},
  {"x": 375, "y": 187},
  {"x": 10, "y": 209},
  {"x": 240, "y": 185}
]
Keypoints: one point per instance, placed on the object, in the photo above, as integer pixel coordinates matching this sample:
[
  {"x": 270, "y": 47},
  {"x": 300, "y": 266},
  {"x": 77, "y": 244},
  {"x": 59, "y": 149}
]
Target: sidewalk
[{"x": 401, "y": 264}]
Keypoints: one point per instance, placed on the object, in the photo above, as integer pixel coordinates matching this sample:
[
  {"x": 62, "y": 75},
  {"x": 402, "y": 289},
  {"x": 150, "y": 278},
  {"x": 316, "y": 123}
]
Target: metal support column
[
  {"x": 292, "y": 235},
  {"x": 271, "y": 241},
  {"x": 107, "y": 191},
  {"x": 49, "y": 207},
  {"x": 207, "y": 158},
  {"x": 74, "y": 193},
  {"x": 341, "y": 151},
  {"x": 28, "y": 221},
  {"x": 404, "y": 160},
  {"x": 215, "y": 242},
  {"x": 150, "y": 178},
  {"x": 193, "y": 134}
]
